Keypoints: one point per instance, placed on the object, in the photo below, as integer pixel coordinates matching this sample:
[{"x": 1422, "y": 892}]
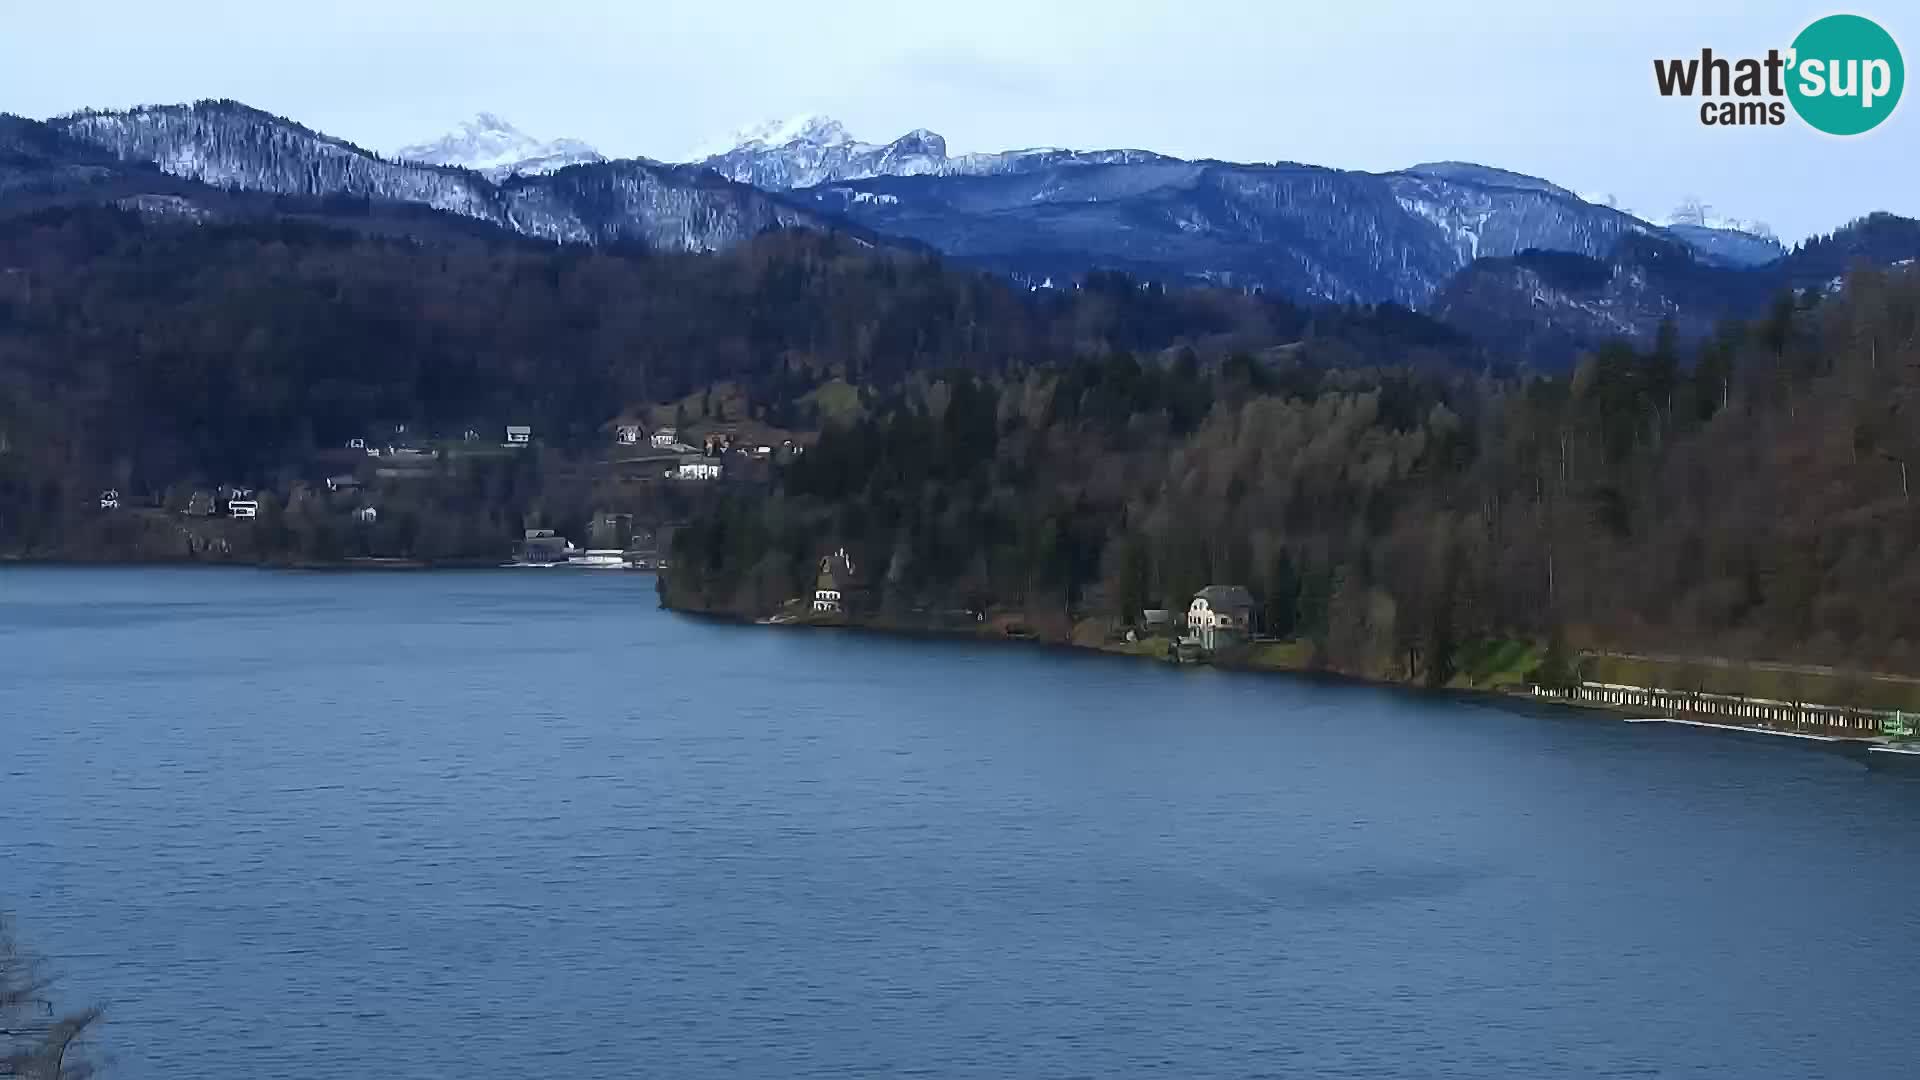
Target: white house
[
  {"x": 110, "y": 499},
  {"x": 665, "y": 438},
  {"x": 356, "y": 444},
  {"x": 243, "y": 508},
  {"x": 830, "y": 588},
  {"x": 366, "y": 515},
  {"x": 699, "y": 470},
  {"x": 1220, "y": 615},
  {"x": 519, "y": 435},
  {"x": 627, "y": 434}
]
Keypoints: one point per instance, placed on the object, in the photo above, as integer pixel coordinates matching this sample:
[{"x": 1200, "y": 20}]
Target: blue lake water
[{"x": 523, "y": 823}]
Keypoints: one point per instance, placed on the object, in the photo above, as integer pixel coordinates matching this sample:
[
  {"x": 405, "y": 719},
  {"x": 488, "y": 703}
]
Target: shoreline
[
  {"x": 1830, "y": 740},
  {"x": 1852, "y": 747},
  {"x": 987, "y": 632},
  {"x": 381, "y": 564}
]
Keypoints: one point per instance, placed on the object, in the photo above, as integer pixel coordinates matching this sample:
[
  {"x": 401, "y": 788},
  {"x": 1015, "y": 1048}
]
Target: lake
[{"x": 522, "y": 823}]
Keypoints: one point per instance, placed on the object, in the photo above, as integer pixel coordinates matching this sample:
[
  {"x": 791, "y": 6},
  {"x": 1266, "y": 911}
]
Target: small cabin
[{"x": 519, "y": 434}]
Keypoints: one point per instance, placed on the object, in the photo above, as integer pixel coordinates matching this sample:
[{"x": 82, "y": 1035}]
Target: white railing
[{"x": 1734, "y": 708}]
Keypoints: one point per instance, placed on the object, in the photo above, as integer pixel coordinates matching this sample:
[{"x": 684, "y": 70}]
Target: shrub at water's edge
[{"x": 38, "y": 1041}]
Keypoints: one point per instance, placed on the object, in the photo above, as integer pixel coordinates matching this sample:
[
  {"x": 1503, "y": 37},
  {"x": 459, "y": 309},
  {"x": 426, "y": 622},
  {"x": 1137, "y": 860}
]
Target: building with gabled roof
[{"x": 1221, "y": 616}]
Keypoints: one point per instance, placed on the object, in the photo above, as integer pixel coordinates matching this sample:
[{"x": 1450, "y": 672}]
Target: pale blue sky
[{"x": 1369, "y": 84}]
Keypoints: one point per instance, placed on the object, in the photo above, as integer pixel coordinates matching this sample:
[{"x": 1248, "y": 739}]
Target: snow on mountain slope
[
  {"x": 1475, "y": 210},
  {"x": 1700, "y": 215},
  {"x": 1725, "y": 240},
  {"x": 806, "y": 151},
  {"x": 1729, "y": 247},
  {"x": 490, "y": 145},
  {"x": 664, "y": 208},
  {"x": 1483, "y": 211},
  {"x": 1306, "y": 231},
  {"x": 811, "y": 129},
  {"x": 227, "y": 144},
  {"x": 1468, "y": 172}
]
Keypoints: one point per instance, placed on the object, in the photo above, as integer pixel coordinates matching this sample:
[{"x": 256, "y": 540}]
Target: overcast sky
[{"x": 1363, "y": 84}]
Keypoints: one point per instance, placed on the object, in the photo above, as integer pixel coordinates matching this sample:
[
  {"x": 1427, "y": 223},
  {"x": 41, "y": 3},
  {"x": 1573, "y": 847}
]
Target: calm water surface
[{"x": 524, "y": 824}]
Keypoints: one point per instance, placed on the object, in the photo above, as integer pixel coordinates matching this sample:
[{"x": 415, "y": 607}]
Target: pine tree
[{"x": 1283, "y": 596}]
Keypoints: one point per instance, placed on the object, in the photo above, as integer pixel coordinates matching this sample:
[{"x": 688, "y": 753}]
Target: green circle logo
[{"x": 1846, "y": 75}]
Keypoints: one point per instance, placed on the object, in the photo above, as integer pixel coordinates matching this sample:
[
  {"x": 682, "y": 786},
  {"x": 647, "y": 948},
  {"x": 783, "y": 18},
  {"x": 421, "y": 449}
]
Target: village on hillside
[{"x": 390, "y": 493}]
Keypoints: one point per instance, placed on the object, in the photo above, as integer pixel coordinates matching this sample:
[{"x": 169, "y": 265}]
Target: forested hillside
[
  {"x": 1390, "y": 488},
  {"x": 1750, "y": 499},
  {"x": 151, "y": 354}
]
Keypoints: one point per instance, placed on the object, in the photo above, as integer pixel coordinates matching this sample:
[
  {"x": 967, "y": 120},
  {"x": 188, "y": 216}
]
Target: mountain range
[
  {"x": 1460, "y": 240},
  {"x": 811, "y": 150},
  {"x": 225, "y": 145},
  {"x": 495, "y": 148}
]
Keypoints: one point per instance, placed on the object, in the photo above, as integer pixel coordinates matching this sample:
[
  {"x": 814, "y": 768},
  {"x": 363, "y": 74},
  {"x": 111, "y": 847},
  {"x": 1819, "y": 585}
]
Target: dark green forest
[{"x": 1745, "y": 498}]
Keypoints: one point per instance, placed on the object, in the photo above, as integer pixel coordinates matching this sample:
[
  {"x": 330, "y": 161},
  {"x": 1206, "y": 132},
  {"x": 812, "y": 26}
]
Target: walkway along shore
[{"x": 1731, "y": 711}]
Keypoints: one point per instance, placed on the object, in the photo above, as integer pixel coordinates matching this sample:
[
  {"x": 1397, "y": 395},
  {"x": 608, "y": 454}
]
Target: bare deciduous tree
[{"x": 37, "y": 1041}]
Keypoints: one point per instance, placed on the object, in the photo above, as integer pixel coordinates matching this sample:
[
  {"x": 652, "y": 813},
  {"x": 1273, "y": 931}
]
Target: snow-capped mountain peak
[
  {"x": 808, "y": 129},
  {"x": 489, "y": 144},
  {"x": 810, "y": 150}
]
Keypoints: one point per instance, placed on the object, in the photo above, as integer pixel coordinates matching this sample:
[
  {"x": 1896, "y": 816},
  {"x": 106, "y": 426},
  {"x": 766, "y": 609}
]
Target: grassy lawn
[
  {"x": 1761, "y": 682},
  {"x": 839, "y": 400},
  {"x": 1280, "y": 655},
  {"x": 1149, "y": 647},
  {"x": 1494, "y": 663},
  {"x": 1089, "y": 633}
]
